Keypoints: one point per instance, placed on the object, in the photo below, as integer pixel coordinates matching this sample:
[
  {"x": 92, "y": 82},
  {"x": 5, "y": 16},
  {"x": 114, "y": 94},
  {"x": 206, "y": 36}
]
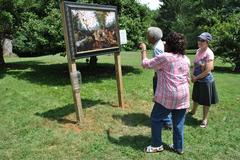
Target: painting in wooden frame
[{"x": 92, "y": 29}]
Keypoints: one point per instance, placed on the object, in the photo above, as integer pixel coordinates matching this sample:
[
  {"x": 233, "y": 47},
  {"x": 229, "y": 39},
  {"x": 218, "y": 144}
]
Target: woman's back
[{"x": 173, "y": 81}]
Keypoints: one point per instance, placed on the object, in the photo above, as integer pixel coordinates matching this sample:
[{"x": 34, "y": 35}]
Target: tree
[
  {"x": 18, "y": 19},
  {"x": 226, "y": 42},
  {"x": 39, "y": 35},
  {"x": 179, "y": 15},
  {"x": 36, "y": 29},
  {"x": 226, "y": 36},
  {"x": 6, "y": 25},
  {"x": 223, "y": 23},
  {"x": 219, "y": 17}
]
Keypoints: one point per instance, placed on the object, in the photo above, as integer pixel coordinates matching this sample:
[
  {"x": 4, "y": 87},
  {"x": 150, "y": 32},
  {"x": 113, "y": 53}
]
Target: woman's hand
[
  {"x": 143, "y": 47},
  {"x": 193, "y": 79}
]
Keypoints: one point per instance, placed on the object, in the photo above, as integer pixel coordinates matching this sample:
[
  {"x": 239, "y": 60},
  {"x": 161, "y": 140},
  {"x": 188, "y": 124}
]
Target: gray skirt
[{"x": 205, "y": 93}]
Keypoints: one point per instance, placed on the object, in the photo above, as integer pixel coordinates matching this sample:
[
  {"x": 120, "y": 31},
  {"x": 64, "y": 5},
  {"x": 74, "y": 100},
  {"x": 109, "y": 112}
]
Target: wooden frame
[
  {"x": 72, "y": 54},
  {"x": 92, "y": 29}
]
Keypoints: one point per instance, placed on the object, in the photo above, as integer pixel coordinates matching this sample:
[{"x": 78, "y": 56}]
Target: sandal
[
  {"x": 150, "y": 149},
  {"x": 178, "y": 151},
  {"x": 203, "y": 124}
]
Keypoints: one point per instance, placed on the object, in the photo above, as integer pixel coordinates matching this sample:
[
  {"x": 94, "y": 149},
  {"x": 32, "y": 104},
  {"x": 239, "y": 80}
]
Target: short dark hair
[{"x": 176, "y": 43}]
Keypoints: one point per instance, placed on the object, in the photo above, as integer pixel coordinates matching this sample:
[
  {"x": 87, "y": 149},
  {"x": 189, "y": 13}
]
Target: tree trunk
[
  {"x": 7, "y": 47},
  {"x": 237, "y": 67},
  {"x": 2, "y": 62}
]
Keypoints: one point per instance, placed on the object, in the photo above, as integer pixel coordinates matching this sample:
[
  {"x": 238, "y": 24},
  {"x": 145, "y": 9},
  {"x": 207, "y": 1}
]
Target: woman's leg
[
  {"x": 205, "y": 113},
  {"x": 194, "y": 108},
  {"x": 158, "y": 114},
  {"x": 167, "y": 122},
  {"x": 178, "y": 117},
  {"x": 205, "y": 117}
]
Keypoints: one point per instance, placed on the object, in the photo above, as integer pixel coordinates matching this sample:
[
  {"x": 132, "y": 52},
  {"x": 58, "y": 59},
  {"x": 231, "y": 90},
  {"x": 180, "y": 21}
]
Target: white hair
[{"x": 155, "y": 32}]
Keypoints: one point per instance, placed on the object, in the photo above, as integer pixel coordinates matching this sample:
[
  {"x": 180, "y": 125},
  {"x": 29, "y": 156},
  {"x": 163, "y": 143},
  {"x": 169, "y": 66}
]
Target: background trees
[
  {"x": 36, "y": 29},
  {"x": 6, "y": 24},
  {"x": 35, "y": 25},
  {"x": 223, "y": 22},
  {"x": 219, "y": 17},
  {"x": 227, "y": 40},
  {"x": 39, "y": 33}
]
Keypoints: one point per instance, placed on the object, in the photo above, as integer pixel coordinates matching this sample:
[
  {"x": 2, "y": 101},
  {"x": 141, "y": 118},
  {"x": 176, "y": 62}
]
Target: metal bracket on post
[
  {"x": 79, "y": 77},
  {"x": 75, "y": 81}
]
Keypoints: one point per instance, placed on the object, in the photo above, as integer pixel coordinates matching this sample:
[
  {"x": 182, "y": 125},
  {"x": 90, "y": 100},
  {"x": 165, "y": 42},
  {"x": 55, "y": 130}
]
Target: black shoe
[{"x": 175, "y": 150}]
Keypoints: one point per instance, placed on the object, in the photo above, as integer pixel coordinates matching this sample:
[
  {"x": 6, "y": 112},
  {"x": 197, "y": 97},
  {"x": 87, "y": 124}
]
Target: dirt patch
[
  {"x": 73, "y": 127},
  {"x": 70, "y": 124},
  {"x": 126, "y": 105}
]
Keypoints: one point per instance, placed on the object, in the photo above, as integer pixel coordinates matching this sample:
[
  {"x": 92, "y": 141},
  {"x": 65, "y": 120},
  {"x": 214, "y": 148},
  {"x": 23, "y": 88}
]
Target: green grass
[{"x": 38, "y": 120}]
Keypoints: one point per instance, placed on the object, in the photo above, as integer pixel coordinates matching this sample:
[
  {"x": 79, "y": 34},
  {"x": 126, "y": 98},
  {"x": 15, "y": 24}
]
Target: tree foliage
[
  {"x": 226, "y": 32},
  {"x": 36, "y": 29},
  {"x": 223, "y": 22},
  {"x": 219, "y": 17},
  {"x": 6, "y": 24},
  {"x": 39, "y": 35},
  {"x": 227, "y": 40}
]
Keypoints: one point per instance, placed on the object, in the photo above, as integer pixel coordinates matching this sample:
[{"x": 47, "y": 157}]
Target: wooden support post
[
  {"x": 73, "y": 73},
  {"x": 118, "y": 71},
  {"x": 76, "y": 91}
]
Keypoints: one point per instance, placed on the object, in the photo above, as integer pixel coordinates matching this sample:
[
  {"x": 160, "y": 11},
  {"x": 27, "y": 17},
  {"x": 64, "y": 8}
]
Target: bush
[
  {"x": 226, "y": 34},
  {"x": 39, "y": 36},
  {"x": 226, "y": 41}
]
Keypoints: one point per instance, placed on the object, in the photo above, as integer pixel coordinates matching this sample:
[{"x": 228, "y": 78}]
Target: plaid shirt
[{"x": 173, "y": 79}]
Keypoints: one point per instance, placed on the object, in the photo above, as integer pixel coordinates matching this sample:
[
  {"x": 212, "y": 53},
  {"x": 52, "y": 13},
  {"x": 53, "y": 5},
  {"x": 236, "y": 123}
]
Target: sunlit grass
[{"x": 37, "y": 113}]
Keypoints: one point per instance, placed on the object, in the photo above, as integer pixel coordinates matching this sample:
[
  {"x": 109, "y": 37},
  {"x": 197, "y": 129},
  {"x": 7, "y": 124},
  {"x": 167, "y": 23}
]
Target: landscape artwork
[{"x": 94, "y": 30}]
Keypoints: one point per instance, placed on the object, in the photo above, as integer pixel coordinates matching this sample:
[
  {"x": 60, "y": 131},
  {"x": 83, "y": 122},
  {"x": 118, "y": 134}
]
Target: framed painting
[{"x": 91, "y": 29}]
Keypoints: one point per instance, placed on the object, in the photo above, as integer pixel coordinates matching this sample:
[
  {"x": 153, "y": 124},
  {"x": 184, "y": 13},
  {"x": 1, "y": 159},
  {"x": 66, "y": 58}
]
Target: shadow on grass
[
  {"x": 59, "y": 114},
  {"x": 220, "y": 69},
  {"x": 134, "y": 119},
  {"x": 2, "y": 73},
  {"x": 57, "y": 74},
  {"x": 191, "y": 121},
  {"x": 140, "y": 119},
  {"x": 138, "y": 142}
]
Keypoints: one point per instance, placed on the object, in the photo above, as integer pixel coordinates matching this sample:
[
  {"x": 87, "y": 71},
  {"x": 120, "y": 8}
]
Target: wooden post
[
  {"x": 73, "y": 74},
  {"x": 118, "y": 71},
  {"x": 76, "y": 91}
]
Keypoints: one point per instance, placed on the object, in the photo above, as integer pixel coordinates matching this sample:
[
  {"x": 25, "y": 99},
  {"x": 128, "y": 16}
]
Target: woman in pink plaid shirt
[{"x": 172, "y": 93}]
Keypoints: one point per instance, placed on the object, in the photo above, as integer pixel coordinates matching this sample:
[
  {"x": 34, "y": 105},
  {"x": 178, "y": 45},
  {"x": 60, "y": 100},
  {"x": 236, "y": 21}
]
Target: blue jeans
[
  {"x": 178, "y": 117},
  {"x": 168, "y": 120}
]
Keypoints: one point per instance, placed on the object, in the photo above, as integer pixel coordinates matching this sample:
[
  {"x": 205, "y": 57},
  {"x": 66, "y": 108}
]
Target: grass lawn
[{"x": 38, "y": 120}]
